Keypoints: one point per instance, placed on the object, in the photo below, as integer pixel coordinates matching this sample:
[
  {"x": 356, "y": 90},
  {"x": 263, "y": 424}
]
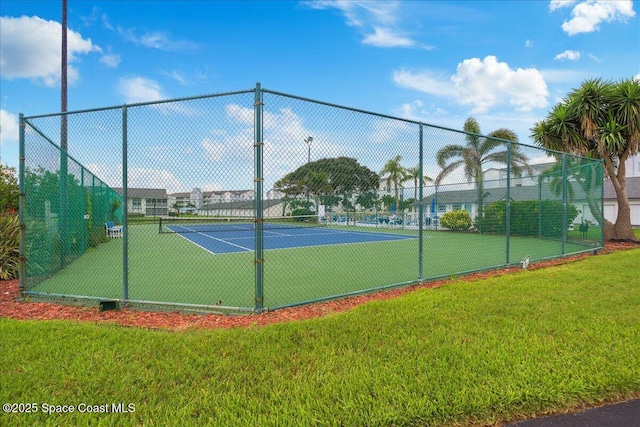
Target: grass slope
[{"x": 471, "y": 352}]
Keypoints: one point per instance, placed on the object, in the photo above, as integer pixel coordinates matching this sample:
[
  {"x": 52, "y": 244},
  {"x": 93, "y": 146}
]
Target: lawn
[
  {"x": 169, "y": 268},
  {"x": 483, "y": 351}
]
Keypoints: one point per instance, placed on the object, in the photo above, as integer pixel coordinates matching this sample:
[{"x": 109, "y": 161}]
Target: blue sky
[{"x": 506, "y": 63}]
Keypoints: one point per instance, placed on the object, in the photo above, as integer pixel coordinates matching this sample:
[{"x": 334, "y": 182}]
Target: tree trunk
[{"x": 621, "y": 230}]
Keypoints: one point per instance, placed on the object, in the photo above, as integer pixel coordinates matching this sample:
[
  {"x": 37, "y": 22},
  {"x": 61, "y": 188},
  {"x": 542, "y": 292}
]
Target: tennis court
[
  {"x": 224, "y": 236},
  {"x": 245, "y": 158},
  {"x": 328, "y": 260}
]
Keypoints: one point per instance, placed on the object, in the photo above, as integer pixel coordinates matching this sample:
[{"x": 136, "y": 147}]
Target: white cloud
[
  {"x": 30, "y": 48},
  {"x": 377, "y": 21},
  {"x": 8, "y": 127},
  {"x": 419, "y": 111},
  {"x": 571, "y": 55},
  {"x": 425, "y": 81},
  {"x": 587, "y": 16},
  {"x": 140, "y": 89},
  {"x": 240, "y": 114},
  {"x": 557, "y": 4},
  {"x": 213, "y": 150},
  {"x": 156, "y": 40},
  {"x": 111, "y": 60},
  {"x": 153, "y": 178},
  {"x": 385, "y": 37},
  {"x": 383, "y": 131},
  {"x": 486, "y": 83},
  {"x": 483, "y": 84},
  {"x": 175, "y": 75}
]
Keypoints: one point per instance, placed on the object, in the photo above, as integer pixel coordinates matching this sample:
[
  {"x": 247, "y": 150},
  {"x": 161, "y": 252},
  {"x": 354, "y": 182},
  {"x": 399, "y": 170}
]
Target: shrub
[
  {"x": 9, "y": 247},
  {"x": 526, "y": 219},
  {"x": 457, "y": 220},
  {"x": 97, "y": 235},
  {"x": 302, "y": 214},
  {"x": 8, "y": 189}
]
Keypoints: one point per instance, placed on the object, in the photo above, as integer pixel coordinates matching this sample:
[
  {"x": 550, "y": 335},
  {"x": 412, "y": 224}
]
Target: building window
[
  {"x": 457, "y": 207},
  {"x": 136, "y": 205}
]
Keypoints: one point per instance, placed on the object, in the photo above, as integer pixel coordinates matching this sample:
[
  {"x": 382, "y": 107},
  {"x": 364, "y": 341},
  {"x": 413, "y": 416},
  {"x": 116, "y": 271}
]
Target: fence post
[
  {"x": 21, "y": 206},
  {"x": 601, "y": 197},
  {"x": 258, "y": 214},
  {"x": 564, "y": 202},
  {"x": 540, "y": 206},
  {"x": 63, "y": 222},
  {"x": 125, "y": 219},
  {"x": 420, "y": 210},
  {"x": 508, "y": 204}
]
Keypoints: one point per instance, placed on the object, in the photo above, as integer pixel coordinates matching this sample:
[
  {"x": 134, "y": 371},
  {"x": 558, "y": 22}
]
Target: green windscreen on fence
[
  {"x": 258, "y": 200},
  {"x": 65, "y": 211}
]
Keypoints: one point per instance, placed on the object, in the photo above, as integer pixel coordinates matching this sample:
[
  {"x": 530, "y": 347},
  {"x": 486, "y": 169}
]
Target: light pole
[{"x": 308, "y": 141}]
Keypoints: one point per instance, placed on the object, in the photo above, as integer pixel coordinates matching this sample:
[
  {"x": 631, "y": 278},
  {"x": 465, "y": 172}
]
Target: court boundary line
[
  {"x": 399, "y": 239},
  {"x": 214, "y": 238}
]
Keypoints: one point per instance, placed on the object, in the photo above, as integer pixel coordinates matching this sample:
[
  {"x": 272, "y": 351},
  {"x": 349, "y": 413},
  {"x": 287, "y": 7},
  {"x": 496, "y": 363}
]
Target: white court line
[
  {"x": 214, "y": 238},
  {"x": 194, "y": 243},
  {"x": 394, "y": 236},
  {"x": 278, "y": 234}
]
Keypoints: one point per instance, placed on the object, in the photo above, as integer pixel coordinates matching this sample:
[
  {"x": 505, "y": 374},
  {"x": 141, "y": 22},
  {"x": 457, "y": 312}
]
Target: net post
[{"x": 258, "y": 213}]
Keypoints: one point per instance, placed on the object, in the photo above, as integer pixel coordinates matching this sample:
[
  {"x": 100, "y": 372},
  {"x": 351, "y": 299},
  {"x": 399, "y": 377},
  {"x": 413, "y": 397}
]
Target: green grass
[
  {"x": 169, "y": 268},
  {"x": 482, "y": 352}
]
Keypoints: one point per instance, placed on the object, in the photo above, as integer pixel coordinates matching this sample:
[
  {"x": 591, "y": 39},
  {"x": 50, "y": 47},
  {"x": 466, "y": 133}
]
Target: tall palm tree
[
  {"x": 395, "y": 175},
  {"x": 414, "y": 174},
  {"x": 478, "y": 151}
]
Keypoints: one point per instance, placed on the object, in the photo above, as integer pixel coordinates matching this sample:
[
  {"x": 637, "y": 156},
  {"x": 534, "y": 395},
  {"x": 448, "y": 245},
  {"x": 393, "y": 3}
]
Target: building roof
[
  {"x": 241, "y": 204},
  {"x": 633, "y": 189},
  {"x": 144, "y": 193},
  {"x": 491, "y": 195},
  {"x": 207, "y": 194}
]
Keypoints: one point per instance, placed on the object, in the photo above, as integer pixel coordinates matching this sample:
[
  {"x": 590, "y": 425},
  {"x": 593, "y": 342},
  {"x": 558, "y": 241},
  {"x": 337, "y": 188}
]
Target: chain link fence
[{"x": 258, "y": 200}]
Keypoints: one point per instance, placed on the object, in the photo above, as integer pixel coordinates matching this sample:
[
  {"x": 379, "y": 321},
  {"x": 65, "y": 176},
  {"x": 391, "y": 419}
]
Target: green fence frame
[{"x": 258, "y": 179}]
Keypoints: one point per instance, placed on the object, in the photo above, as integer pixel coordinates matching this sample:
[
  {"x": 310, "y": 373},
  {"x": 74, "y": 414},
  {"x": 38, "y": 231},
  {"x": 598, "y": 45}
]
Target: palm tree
[
  {"x": 395, "y": 175},
  {"x": 414, "y": 174},
  {"x": 478, "y": 151},
  {"x": 585, "y": 174},
  {"x": 600, "y": 120}
]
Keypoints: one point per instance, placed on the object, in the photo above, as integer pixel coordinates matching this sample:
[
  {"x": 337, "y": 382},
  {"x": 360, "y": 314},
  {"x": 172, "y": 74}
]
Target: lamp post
[{"x": 308, "y": 141}]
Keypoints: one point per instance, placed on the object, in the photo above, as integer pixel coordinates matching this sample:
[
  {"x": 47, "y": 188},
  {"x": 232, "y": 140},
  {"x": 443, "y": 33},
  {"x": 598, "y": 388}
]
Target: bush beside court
[{"x": 504, "y": 348}]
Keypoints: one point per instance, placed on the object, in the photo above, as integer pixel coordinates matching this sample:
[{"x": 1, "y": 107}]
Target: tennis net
[{"x": 234, "y": 224}]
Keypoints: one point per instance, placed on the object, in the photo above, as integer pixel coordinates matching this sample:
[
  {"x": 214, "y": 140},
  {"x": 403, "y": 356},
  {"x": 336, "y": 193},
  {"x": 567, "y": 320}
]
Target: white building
[{"x": 632, "y": 166}]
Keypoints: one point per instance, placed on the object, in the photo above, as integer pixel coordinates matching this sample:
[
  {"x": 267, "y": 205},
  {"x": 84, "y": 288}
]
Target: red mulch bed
[{"x": 11, "y": 308}]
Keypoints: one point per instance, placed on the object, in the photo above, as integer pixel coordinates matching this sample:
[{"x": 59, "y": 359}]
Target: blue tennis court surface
[{"x": 223, "y": 242}]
